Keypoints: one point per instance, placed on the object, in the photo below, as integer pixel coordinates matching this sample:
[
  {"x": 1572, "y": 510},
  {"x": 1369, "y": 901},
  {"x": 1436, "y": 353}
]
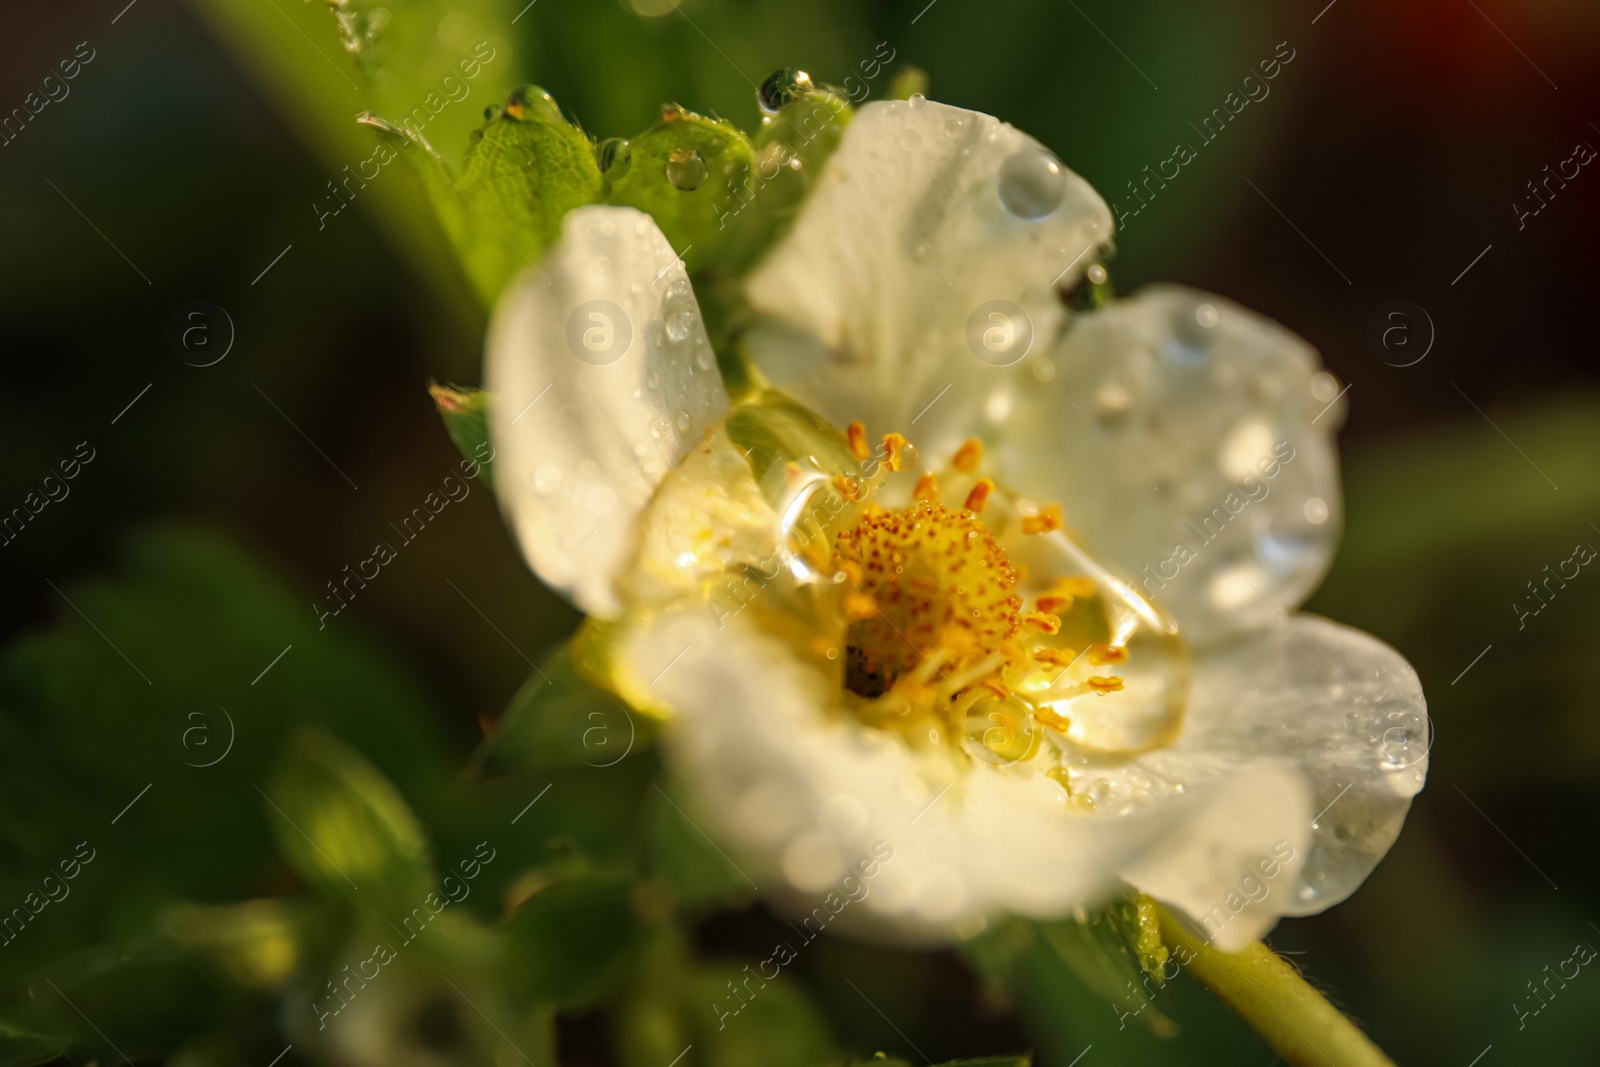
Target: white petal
[
  {"x": 602, "y": 379},
  {"x": 1339, "y": 706},
  {"x": 1231, "y": 866},
  {"x": 803, "y": 794},
  {"x": 1190, "y": 442},
  {"x": 895, "y": 254}
]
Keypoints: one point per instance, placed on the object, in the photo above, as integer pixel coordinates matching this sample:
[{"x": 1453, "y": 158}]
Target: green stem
[{"x": 1269, "y": 994}]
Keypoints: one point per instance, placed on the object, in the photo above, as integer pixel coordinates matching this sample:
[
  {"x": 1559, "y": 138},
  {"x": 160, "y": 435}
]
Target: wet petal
[
  {"x": 1190, "y": 442},
  {"x": 602, "y": 380},
  {"x": 928, "y": 222},
  {"x": 1339, "y": 706}
]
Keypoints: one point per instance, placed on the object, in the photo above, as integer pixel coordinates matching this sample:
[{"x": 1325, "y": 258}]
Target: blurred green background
[{"x": 187, "y": 155}]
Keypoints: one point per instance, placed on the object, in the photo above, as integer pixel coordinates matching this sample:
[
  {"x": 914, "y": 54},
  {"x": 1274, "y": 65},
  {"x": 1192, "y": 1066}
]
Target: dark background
[{"x": 1387, "y": 157}]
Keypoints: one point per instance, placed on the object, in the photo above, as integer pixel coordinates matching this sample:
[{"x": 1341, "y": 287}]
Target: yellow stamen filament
[
  {"x": 1045, "y": 624},
  {"x": 978, "y": 499},
  {"x": 895, "y": 446},
  {"x": 997, "y": 687},
  {"x": 987, "y": 666},
  {"x": 927, "y": 488},
  {"x": 856, "y": 432},
  {"x": 968, "y": 456},
  {"x": 1049, "y": 518}
]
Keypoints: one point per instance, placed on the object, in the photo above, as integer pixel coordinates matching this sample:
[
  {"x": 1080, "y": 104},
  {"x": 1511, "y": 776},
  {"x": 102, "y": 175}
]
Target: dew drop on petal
[
  {"x": 1316, "y": 511},
  {"x": 917, "y": 101},
  {"x": 704, "y": 359},
  {"x": 1032, "y": 183},
  {"x": 686, "y": 170}
]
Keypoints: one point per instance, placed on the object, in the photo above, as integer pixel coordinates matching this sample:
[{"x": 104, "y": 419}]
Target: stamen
[
  {"x": 1103, "y": 685},
  {"x": 1054, "y": 603},
  {"x": 856, "y": 432},
  {"x": 1045, "y": 624},
  {"x": 1049, "y": 518},
  {"x": 1077, "y": 587},
  {"x": 895, "y": 445},
  {"x": 848, "y": 488},
  {"x": 1100, "y": 655},
  {"x": 1056, "y": 657},
  {"x": 968, "y": 456},
  {"x": 927, "y": 488},
  {"x": 966, "y": 678},
  {"x": 978, "y": 499}
]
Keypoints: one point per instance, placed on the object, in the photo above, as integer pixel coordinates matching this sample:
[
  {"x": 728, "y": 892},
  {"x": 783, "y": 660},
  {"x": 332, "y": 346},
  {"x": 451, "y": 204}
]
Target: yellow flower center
[{"x": 933, "y": 587}]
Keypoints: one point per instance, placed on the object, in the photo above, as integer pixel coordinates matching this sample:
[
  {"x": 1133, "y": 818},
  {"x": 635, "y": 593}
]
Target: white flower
[{"x": 1052, "y": 654}]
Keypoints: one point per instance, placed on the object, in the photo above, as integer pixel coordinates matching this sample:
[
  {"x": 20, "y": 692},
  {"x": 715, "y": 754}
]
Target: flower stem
[{"x": 1269, "y": 994}]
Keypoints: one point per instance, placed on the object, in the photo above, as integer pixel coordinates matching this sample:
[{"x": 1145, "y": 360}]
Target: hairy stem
[{"x": 1269, "y": 994}]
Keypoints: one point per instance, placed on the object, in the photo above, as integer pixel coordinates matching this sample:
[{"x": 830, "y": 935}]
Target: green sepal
[
  {"x": 791, "y": 148},
  {"x": 696, "y": 220},
  {"x": 466, "y": 419},
  {"x": 341, "y": 825},
  {"x": 908, "y": 81},
  {"x": 524, "y": 169},
  {"x": 559, "y": 718}
]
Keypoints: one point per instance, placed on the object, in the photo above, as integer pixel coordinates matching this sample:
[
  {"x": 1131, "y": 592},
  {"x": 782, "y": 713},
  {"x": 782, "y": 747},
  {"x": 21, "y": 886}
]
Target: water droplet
[
  {"x": 686, "y": 170},
  {"x": 613, "y": 156},
  {"x": 1043, "y": 369},
  {"x": 782, "y": 86},
  {"x": 683, "y": 422},
  {"x": 679, "y": 322},
  {"x": 547, "y": 478},
  {"x": 1097, "y": 274},
  {"x": 602, "y": 263},
  {"x": 1316, "y": 511},
  {"x": 1324, "y": 387},
  {"x": 917, "y": 101},
  {"x": 1206, "y": 315},
  {"x": 1032, "y": 183},
  {"x": 704, "y": 359}
]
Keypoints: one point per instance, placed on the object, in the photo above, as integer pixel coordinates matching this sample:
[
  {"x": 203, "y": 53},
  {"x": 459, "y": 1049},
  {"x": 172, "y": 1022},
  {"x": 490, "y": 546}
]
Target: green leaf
[
  {"x": 561, "y": 719},
  {"x": 693, "y": 868},
  {"x": 691, "y": 174},
  {"x": 343, "y": 827},
  {"x": 773, "y": 1023},
  {"x": 22, "y": 1047},
  {"x": 571, "y": 941},
  {"x": 984, "y": 1061},
  {"x": 466, "y": 419}
]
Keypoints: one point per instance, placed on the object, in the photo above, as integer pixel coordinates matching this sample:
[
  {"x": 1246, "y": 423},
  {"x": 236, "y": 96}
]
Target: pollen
[
  {"x": 943, "y": 592},
  {"x": 968, "y": 456}
]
